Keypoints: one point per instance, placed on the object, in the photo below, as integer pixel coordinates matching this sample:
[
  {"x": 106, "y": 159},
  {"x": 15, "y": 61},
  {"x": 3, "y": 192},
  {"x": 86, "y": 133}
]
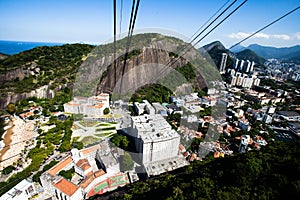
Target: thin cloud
[
  {"x": 297, "y": 36},
  {"x": 242, "y": 35},
  {"x": 283, "y": 37}
]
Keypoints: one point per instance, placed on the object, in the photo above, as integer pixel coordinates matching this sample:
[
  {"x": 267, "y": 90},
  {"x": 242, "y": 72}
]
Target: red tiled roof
[
  {"x": 66, "y": 187},
  {"x": 90, "y": 149},
  {"x": 60, "y": 166},
  {"x": 83, "y": 164},
  {"x": 90, "y": 177},
  {"x": 181, "y": 147},
  {"x": 85, "y": 183},
  {"x": 99, "y": 173}
]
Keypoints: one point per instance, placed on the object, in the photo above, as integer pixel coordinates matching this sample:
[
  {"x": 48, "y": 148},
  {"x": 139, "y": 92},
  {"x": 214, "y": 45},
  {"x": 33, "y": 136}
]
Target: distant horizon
[
  {"x": 90, "y": 43},
  {"x": 92, "y": 22}
]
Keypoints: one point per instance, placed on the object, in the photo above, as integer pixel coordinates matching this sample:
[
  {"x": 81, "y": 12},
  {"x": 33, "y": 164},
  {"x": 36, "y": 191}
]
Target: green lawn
[{"x": 89, "y": 140}]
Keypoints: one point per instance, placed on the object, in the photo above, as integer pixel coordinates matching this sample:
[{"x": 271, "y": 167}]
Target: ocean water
[{"x": 15, "y": 47}]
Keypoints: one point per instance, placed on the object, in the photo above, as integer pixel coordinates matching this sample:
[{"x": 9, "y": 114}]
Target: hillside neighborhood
[{"x": 90, "y": 146}]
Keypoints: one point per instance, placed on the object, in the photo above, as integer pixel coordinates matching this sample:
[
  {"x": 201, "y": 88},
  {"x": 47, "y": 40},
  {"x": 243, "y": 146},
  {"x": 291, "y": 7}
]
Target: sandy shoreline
[{"x": 16, "y": 137}]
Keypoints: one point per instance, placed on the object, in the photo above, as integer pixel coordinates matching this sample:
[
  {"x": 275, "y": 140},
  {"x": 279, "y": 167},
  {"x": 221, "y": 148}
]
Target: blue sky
[{"x": 90, "y": 21}]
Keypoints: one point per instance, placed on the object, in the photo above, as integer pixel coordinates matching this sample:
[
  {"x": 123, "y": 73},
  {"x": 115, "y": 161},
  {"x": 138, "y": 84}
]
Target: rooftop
[
  {"x": 91, "y": 149},
  {"x": 66, "y": 187},
  {"x": 295, "y": 125},
  {"x": 289, "y": 113},
  {"x": 83, "y": 164},
  {"x": 158, "y": 167},
  {"x": 60, "y": 166},
  {"x": 153, "y": 127},
  {"x": 87, "y": 181}
]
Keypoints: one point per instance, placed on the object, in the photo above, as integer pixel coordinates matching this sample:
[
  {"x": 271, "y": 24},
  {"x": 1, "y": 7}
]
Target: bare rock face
[
  {"x": 20, "y": 72},
  {"x": 41, "y": 92},
  {"x": 156, "y": 61},
  {"x": 3, "y": 56}
]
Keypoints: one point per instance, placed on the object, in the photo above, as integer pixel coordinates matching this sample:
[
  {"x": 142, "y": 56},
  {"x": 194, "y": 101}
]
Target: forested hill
[
  {"x": 43, "y": 71},
  {"x": 250, "y": 55},
  {"x": 33, "y": 68},
  {"x": 270, "y": 173}
]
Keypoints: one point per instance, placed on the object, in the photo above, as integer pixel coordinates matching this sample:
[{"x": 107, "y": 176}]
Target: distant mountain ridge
[
  {"x": 248, "y": 54},
  {"x": 215, "y": 50},
  {"x": 290, "y": 54}
]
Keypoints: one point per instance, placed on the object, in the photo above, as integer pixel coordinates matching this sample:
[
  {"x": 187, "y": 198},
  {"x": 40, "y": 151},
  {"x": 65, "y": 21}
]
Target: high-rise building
[
  {"x": 233, "y": 80},
  {"x": 241, "y": 65},
  {"x": 247, "y": 82},
  {"x": 239, "y": 79},
  {"x": 223, "y": 63},
  {"x": 256, "y": 82},
  {"x": 231, "y": 72},
  {"x": 247, "y": 66},
  {"x": 236, "y": 64},
  {"x": 252, "y": 67}
]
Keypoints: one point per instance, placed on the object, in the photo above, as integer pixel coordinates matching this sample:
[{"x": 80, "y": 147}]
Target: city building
[
  {"x": 223, "y": 63},
  {"x": 233, "y": 80},
  {"x": 295, "y": 128},
  {"x": 252, "y": 67},
  {"x": 159, "y": 109},
  {"x": 93, "y": 166},
  {"x": 157, "y": 144},
  {"x": 289, "y": 115},
  {"x": 267, "y": 119},
  {"x": 236, "y": 64},
  {"x": 296, "y": 77},
  {"x": 241, "y": 65},
  {"x": 144, "y": 107},
  {"x": 245, "y": 139},
  {"x": 247, "y": 82},
  {"x": 92, "y": 106},
  {"x": 23, "y": 190},
  {"x": 173, "y": 109},
  {"x": 271, "y": 110},
  {"x": 244, "y": 125},
  {"x": 154, "y": 138},
  {"x": 256, "y": 81},
  {"x": 247, "y": 66}
]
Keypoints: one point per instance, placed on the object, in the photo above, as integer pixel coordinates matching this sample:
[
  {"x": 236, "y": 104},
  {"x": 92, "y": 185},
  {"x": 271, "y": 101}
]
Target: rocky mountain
[
  {"x": 152, "y": 58},
  {"x": 215, "y": 50},
  {"x": 39, "y": 72},
  {"x": 44, "y": 70}
]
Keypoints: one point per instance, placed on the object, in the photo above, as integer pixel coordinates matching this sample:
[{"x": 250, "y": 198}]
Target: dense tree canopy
[{"x": 270, "y": 173}]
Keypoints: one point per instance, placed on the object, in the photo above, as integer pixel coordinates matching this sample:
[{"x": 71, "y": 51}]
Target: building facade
[
  {"x": 154, "y": 138},
  {"x": 92, "y": 106}
]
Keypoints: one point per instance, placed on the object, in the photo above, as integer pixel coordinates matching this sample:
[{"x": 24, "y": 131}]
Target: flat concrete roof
[{"x": 153, "y": 127}]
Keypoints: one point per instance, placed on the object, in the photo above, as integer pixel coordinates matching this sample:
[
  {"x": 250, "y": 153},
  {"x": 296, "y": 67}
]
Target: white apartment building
[
  {"x": 154, "y": 138},
  {"x": 92, "y": 106}
]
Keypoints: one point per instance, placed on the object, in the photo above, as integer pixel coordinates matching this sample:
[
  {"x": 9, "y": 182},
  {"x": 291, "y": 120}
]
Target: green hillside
[
  {"x": 57, "y": 63},
  {"x": 250, "y": 55},
  {"x": 270, "y": 173}
]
